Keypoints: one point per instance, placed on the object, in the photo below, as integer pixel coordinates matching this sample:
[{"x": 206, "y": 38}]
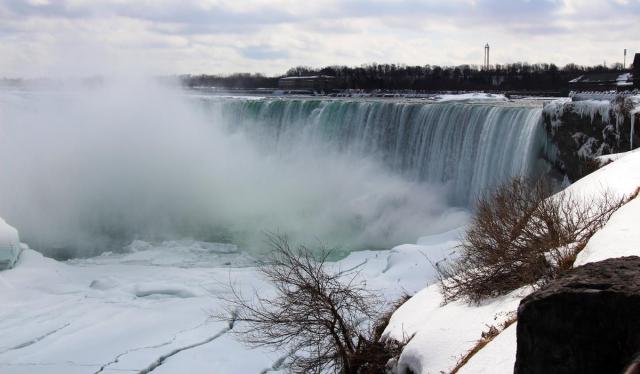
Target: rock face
[
  {"x": 585, "y": 322},
  {"x": 583, "y": 130}
]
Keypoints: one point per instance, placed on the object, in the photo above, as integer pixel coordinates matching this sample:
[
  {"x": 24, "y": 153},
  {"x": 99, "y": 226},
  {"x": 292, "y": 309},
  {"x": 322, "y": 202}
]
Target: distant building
[
  {"x": 636, "y": 70},
  {"x": 315, "y": 83},
  {"x": 614, "y": 81}
]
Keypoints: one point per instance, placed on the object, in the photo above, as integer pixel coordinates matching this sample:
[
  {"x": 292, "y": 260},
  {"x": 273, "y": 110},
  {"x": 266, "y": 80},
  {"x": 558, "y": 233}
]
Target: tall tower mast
[
  {"x": 624, "y": 64},
  {"x": 486, "y": 56}
]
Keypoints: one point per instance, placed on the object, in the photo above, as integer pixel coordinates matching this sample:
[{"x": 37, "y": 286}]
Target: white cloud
[{"x": 269, "y": 36}]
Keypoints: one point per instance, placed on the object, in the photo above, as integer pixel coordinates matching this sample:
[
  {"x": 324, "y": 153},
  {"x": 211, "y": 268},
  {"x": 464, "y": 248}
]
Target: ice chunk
[
  {"x": 9, "y": 245},
  {"x": 104, "y": 283},
  {"x": 162, "y": 289}
]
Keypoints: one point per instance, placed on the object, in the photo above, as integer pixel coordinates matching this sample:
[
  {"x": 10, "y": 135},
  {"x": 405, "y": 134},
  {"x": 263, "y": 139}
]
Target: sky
[{"x": 83, "y": 37}]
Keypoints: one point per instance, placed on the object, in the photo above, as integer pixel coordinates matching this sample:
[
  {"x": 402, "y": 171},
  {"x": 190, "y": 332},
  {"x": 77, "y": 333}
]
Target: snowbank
[
  {"x": 497, "y": 357},
  {"x": 620, "y": 177},
  {"x": 443, "y": 334},
  {"x": 618, "y": 238},
  {"x": 606, "y": 159},
  {"x": 9, "y": 245},
  {"x": 475, "y": 96}
]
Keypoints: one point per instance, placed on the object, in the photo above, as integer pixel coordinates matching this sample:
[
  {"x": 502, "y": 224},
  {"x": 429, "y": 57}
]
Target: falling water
[
  {"x": 94, "y": 170},
  {"x": 471, "y": 147}
]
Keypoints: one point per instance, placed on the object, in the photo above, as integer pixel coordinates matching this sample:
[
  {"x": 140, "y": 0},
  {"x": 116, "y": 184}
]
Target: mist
[{"x": 90, "y": 170}]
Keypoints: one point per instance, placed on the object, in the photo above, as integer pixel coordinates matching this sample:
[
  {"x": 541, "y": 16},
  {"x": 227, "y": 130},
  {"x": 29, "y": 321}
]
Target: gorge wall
[{"x": 580, "y": 131}]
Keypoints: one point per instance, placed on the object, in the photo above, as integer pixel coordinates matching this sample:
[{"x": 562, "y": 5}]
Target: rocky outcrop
[
  {"x": 585, "y": 322},
  {"x": 583, "y": 130}
]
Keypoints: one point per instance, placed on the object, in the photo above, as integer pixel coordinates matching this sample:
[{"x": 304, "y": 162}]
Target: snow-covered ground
[
  {"x": 473, "y": 96},
  {"x": 442, "y": 335},
  {"x": 150, "y": 309}
]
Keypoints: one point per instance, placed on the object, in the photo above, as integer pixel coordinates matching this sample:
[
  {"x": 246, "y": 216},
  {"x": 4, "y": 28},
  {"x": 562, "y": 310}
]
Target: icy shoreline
[{"x": 149, "y": 309}]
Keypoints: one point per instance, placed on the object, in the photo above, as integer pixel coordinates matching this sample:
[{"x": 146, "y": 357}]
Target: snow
[
  {"x": 83, "y": 316},
  {"x": 497, "y": 357},
  {"x": 585, "y": 108},
  {"x": 475, "y": 96},
  {"x": 442, "y": 334},
  {"x": 150, "y": 309},
  {"x": 618, "y": 238},
  {"x": 592, "y": 104},
  {"x": 620, "y": 178},
  {"x": 606, "y": 159},
  {"x": 576, "y": 80},
  {"x": 625, "y": 79},
  {"x": 9, "y": 245}
]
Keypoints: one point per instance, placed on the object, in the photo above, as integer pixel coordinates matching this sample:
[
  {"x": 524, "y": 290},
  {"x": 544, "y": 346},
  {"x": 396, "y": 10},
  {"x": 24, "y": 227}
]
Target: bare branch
[
  {"x": 521, "y": 235},
  {"x": 324, "y": 318}
]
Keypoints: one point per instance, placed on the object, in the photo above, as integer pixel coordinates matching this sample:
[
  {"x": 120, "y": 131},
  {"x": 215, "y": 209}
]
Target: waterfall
[
  {"x": 94, "y": 170},
  {"x": 469, "y": 146}
]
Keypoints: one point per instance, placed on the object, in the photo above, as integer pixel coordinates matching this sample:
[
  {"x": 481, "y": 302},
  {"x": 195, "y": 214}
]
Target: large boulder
[
  {"x": 9, "y": 245},
  {"x": 585, "y": 322}
]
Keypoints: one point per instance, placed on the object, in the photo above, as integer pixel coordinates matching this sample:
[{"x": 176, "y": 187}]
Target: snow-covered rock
[
  {"x": 444, "y": 334},
  {"x": 9, "y": 245},
  {"x": 581, "y": 131}
]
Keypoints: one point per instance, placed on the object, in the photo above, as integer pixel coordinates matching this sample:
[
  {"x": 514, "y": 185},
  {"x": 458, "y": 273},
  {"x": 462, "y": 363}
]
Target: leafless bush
[
  {"x": 522, "y": 236},
  {"x": 322, "y": 317}
]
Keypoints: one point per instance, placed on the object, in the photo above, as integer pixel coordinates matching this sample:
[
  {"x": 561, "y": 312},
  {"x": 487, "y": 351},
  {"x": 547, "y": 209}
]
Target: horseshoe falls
[
  {"x": 118, "y": 169},
  {"x": 470, "y": 147}
]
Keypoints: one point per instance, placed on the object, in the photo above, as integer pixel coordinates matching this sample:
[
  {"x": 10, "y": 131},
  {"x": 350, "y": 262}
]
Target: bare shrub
[
  {"x": 522, "y": 236},
  {"x": 323, "y": 318}
]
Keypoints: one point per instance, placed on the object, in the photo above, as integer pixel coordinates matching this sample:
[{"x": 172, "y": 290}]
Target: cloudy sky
[{"x": 53, "y": 37}]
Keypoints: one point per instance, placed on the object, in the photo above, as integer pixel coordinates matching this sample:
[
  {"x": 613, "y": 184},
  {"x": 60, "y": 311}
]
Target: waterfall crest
[
  {"x": 92, "y": 171},
  {"x": 470, "y": 147}
]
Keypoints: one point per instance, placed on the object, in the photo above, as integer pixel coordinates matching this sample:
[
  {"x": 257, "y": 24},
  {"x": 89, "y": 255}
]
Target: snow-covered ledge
[
  {"x": 443, "y": 334},
  {"x": 9, "y": 245}
]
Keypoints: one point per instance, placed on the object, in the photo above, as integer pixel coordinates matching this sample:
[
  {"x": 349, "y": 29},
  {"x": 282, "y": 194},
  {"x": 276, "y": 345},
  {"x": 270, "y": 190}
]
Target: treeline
[
  {"x": 238, "y": 80},
  {"x": 515, "y": 76}
]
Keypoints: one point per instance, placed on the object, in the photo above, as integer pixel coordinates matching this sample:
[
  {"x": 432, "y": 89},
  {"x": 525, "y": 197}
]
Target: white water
[
  {"x": 468, "y": 147},
  {"x": 90, "y": 171}
]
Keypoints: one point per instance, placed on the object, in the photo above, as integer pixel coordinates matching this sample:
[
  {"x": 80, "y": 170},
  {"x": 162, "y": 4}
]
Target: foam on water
[{"x": 93, "y": 170}]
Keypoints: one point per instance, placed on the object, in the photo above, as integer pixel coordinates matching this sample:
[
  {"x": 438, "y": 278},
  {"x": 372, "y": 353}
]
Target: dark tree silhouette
[
  {"x": 324, "y": 318},
  {"x": 520, "y": 235},
  {"x": 518, "y": 76}
]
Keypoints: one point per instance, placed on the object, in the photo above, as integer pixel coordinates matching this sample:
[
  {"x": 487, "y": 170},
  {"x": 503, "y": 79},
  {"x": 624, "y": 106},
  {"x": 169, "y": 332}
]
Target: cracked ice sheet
[
  {"x": 112, "y": 312},
  {"x": 42, "y": 295}
]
